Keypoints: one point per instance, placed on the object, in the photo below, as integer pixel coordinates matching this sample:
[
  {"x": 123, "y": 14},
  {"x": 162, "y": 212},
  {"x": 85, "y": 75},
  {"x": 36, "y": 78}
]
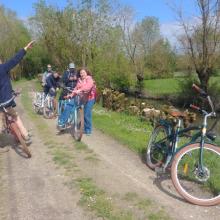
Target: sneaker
[
  {"x": 61, "y": 127},
  {"x": 28, "y": 140}
]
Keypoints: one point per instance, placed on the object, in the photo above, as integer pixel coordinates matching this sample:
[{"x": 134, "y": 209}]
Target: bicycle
[
  {"x": 12, "y": 128},
  {"x": 44, "y": 105},
  {"x": 195, "y": 166},
  {"x": 75, "y": 122}
]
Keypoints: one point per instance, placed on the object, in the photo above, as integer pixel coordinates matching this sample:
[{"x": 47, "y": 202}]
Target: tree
[
  {"x": 146, "y": 34},
  {"x": 13, "y": 36},
  {"x": 202, "y": 37},
  {"x": 162, "y": 60}
]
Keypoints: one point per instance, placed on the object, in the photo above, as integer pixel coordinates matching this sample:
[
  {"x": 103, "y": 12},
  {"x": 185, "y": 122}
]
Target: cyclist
[
  {"x": 6, "y": 92},
  {"x": 47, "y": 73},
  {"x": 85, "y": 84},
  {"x": 69, "y": 79},
  {"x": 52, "y": 85}
]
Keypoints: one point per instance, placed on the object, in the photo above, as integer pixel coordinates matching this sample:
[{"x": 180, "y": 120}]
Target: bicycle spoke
[{"x": 200, "y": 182}]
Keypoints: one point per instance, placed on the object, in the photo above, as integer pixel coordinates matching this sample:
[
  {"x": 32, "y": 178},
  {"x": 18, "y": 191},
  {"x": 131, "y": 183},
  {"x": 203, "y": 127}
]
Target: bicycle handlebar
[
  {"x": 14, "y": 95},
  {"x": 205, "y": 95}
]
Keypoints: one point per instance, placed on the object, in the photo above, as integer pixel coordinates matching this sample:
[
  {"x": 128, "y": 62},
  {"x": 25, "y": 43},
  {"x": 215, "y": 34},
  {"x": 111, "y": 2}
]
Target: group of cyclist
[{"x": 77, "y": 81}]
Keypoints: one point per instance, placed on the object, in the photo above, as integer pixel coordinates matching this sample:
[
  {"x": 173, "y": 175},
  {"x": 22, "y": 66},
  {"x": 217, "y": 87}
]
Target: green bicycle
[{"x": 195, "y": 166}]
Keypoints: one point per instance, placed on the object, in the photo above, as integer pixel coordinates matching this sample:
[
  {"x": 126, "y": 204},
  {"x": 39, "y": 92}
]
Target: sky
[{"x": 158, "y": 8}]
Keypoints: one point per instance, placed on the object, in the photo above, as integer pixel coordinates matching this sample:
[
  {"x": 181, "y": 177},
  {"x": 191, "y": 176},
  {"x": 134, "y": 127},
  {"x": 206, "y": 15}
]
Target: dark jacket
[
  {"x": 71, "y": 84},
  {"x": 51, "y": 82},
  {"x": 5, "y": 80},
  {"x": 67, "y": 82}
]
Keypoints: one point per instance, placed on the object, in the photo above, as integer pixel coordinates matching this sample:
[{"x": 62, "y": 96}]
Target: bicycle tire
[
  {"x": 16, "y": 132},
  {"x": 156, "y": 151},
  {"x": 37, "y": 102},
  {"x": 203, "y": 190},
  {"x": 36, "y": 109},
  {"x": 77, "y": 126},
  {"x": 48, "y": 109}
]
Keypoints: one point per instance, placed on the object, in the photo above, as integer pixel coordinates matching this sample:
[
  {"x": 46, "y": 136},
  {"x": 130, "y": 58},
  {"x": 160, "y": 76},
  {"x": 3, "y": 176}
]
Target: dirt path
[
  {"x": 35, "y": 188},
  {"x": 128, "y": 169},
  {"x": 120, "y": 171}
]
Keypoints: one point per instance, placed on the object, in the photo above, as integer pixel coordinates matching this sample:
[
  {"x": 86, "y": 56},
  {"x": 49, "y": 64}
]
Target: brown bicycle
[{"x": 13, "y": 129}]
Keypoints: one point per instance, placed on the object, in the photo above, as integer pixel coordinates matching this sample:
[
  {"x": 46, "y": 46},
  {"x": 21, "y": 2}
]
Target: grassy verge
[
  {"x": 158, "y": 87},
  {"x": 93, "y": 198},
  {"x": 127, "y": 129}
]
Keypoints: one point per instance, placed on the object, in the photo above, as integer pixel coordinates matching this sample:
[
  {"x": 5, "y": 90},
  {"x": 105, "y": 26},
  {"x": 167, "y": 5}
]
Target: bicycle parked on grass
[
  {"x": 195, "y": 166},
  {"x": 75, "y": 122},
  {"x": 44, "y": 105},
  {"x": 12, "y": 128}
]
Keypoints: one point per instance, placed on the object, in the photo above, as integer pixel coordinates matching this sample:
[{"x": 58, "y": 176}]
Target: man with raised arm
[{"x": 6, "y": 91}]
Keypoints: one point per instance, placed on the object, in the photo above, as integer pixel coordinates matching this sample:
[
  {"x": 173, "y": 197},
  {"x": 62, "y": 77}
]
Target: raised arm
[{"x": 17, "y": 58}]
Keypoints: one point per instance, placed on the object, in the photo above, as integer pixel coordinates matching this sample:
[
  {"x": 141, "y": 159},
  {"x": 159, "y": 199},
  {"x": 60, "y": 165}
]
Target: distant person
[
  {"x": 47, "y": 73},
  {"x": 52, "y": 85},
  {"x": 6, "y": 92},
  {"x": 69, "y": 79}
]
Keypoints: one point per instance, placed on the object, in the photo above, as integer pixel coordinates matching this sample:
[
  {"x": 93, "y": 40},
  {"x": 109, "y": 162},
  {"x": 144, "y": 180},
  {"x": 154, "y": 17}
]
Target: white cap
[{"x": 71, "y": 65}]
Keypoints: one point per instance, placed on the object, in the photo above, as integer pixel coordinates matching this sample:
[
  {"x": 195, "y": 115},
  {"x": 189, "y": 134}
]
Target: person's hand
[
  {"x": 67, "y": 97},
  {"x": 77, "y": 92},
  {"x": 57, "y": 89},
  {"x": 29, "y": 45}
]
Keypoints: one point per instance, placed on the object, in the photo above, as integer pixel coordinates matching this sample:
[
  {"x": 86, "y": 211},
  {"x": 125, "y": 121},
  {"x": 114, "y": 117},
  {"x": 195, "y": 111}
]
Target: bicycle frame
[
  {"x": 175, "y": 134},
  {"x": 73, "y": 114}
]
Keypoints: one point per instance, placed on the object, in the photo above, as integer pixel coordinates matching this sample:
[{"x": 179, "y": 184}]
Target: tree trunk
[{"x": 204, "y": 76}]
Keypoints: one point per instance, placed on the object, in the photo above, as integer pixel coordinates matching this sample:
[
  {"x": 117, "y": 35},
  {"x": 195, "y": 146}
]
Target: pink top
[{"x": 86, "y": 85}]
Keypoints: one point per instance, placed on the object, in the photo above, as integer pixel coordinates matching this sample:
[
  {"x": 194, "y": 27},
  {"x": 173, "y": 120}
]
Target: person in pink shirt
[{"x": 85, "y": 85}]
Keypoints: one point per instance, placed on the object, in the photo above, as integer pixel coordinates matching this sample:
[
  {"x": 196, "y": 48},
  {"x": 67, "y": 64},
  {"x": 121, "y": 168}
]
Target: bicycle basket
[{"x": 81, "y": 99}]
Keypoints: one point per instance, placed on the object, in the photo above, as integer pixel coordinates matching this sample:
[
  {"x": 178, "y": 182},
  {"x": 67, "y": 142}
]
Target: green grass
[
  {"x": 150, "y": 210},
  {"x": 97, "y": 201},
  {"x": 127, "y": 129},
  {"x": 168, "y": 86},
  {"x": 162, "y": 86}
]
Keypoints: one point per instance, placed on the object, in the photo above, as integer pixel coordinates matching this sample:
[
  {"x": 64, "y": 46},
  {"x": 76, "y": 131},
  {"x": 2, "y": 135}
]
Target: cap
[
  {"x": 48, "y": 66},
  {"x": 71, "y": 65}
]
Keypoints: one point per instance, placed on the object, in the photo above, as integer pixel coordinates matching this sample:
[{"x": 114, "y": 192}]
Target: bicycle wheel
[
  {"x": 200, "y": 186},
  {"x": 77, "y": 126},
  {"x": 157, "y": 147},
  {"x": 16, "y": 132},
  {"x": 37, "y": 103},
  {"x": 36, "y": 109},
  {"x": 49, "y": 108}
]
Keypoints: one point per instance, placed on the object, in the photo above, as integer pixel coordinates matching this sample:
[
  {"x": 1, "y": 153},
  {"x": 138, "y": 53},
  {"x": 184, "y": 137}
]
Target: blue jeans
[
  {"x": 88, "y": 116},
  {"x": 63, "y": 118}
]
